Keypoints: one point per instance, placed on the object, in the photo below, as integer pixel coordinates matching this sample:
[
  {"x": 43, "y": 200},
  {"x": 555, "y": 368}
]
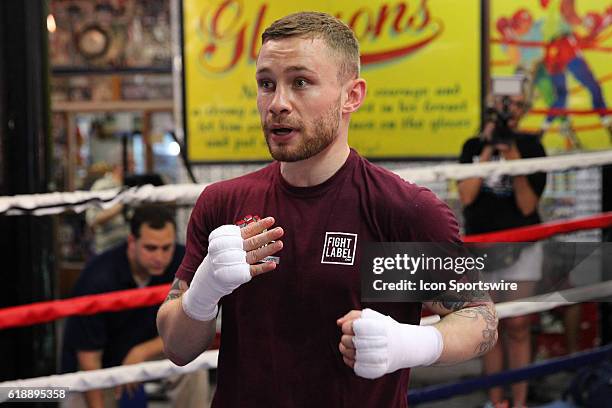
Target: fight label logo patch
[{"x": 339, "y": 248}]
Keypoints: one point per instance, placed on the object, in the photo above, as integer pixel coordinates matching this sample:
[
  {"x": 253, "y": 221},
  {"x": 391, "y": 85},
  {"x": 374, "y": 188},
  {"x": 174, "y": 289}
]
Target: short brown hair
[
  {"x": 154, "y": 215},
  {"x": 309, "y": 24}
]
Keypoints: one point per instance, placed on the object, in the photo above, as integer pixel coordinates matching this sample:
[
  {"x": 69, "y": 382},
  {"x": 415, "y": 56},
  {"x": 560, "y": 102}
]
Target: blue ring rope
[{"x": 438, "y": 392}]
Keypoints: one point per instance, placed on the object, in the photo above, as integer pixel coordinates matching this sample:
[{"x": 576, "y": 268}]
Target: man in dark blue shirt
[{"x": 149, "y": 257}]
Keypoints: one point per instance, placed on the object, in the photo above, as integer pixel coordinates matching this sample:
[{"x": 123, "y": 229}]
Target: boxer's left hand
[{"x": 374, "y": 344}]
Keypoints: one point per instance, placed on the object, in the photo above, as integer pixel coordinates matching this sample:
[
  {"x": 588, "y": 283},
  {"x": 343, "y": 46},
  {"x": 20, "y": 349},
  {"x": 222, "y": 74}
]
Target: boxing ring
[{"x": 186, "y": 194}]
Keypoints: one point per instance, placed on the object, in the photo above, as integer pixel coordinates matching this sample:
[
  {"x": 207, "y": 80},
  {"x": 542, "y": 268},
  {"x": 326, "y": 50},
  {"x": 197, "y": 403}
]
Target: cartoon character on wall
[{"x": 548, "y": 48}]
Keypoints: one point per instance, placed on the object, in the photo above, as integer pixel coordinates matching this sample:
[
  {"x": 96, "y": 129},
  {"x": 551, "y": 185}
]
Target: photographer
[{"x": 502, "y": 202}]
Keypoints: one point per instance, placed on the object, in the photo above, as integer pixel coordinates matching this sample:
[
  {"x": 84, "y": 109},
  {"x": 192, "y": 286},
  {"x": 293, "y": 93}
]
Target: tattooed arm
[
  {"x": 184, "y": 338},
  {"x": 469, "y": 329}
]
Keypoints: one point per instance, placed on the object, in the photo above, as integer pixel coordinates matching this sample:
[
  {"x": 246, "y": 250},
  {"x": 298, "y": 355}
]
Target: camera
[{"x": 499, "y": 113}]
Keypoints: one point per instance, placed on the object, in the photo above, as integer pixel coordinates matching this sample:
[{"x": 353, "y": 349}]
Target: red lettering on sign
[{"x": 368, "y": 25}]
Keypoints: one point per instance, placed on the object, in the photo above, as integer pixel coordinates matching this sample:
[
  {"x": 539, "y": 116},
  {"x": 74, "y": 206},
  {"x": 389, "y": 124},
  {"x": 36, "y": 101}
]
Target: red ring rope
[
  {"x": 574, "y": 112},
  {"x": 543, "y": 231},
  {"x": 43, "y": 312}
]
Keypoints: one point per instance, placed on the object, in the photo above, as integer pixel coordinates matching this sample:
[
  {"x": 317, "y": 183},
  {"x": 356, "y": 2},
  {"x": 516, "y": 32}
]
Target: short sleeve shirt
[
  {"x": 495, "y": 206},
  {"x": 279, "y": 339}
]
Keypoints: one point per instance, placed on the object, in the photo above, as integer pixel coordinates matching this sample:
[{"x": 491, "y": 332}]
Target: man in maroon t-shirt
[{"x": 294, "y": 330}]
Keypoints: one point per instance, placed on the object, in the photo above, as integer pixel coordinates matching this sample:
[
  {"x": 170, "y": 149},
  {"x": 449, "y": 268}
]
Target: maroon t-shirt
[{"x": 279, "y": 339}]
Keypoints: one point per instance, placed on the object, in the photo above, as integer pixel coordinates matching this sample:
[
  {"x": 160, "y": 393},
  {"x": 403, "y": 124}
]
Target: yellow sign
[
  {"x": 420, "y": 58},
  {"x": 565, "y": 48}
]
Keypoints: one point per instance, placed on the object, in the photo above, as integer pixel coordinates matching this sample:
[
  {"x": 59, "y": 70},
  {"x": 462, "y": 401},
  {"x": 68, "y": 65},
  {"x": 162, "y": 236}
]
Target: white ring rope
[
  {"x": 546, "y": 301},
  {"x": 444, "y": 172},
  {"x": 78, "y": 201},
  {"x": 110, "y": 377},
  {"x": 54, "y": 203}
]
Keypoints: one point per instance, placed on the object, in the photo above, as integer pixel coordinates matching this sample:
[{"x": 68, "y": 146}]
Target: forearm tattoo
[
  {"x": 489, "y": 334},
  {"x": 176, "y": 290},
  {"x": 449, "y": 305}
]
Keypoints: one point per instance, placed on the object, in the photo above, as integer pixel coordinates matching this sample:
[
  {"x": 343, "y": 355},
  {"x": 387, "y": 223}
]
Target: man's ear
[
  {"x": 131, "y": 240},
  {"x": 356, "y": 92}
]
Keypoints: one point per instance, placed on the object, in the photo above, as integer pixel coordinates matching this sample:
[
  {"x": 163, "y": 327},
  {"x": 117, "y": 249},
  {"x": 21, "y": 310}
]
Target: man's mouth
[{"x": 281, "y": 131}]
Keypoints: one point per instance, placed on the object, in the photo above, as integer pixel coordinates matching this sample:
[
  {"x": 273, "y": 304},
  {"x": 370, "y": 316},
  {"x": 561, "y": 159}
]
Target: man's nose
[
  {"x": 280, "y": 102},
  {"x": 158, "y": 256}
]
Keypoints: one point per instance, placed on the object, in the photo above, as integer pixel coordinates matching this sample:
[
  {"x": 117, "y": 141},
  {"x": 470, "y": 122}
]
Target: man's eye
[
  {"x": 265, "y": 84},
  {"x": 301, "y": 83}
]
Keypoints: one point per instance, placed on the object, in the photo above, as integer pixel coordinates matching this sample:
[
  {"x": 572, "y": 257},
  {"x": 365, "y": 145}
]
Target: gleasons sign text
[{"x": 386, "y": 32}]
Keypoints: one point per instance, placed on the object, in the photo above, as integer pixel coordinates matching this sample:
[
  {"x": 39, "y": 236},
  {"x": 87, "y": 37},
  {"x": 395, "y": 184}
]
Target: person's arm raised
[
  {"x": 525, "y": 197},
  {"x": 186, "y": 320},
  {"x": 469, "y": 188}
]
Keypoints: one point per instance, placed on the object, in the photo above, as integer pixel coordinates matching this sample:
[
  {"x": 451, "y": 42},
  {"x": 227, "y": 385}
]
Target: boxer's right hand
[{"x": 232, "y": 260}]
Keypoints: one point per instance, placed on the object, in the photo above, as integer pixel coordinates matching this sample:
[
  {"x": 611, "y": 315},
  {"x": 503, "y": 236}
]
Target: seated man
[{"x": 149, "y": 257}]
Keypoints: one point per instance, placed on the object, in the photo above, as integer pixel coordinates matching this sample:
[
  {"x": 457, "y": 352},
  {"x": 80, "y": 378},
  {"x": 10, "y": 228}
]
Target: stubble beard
[{"x": 321, "y": 134}]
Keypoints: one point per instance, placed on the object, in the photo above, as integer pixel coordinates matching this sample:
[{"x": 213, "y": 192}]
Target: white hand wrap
[
  {"x": 384, "y": 345},
  {"x": 222, "y": 270}
]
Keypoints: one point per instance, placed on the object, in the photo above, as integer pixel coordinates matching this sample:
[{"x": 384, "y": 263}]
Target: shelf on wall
[
  {"x": 114, "y": 106},
  {"x": 76, "y": 71}
]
